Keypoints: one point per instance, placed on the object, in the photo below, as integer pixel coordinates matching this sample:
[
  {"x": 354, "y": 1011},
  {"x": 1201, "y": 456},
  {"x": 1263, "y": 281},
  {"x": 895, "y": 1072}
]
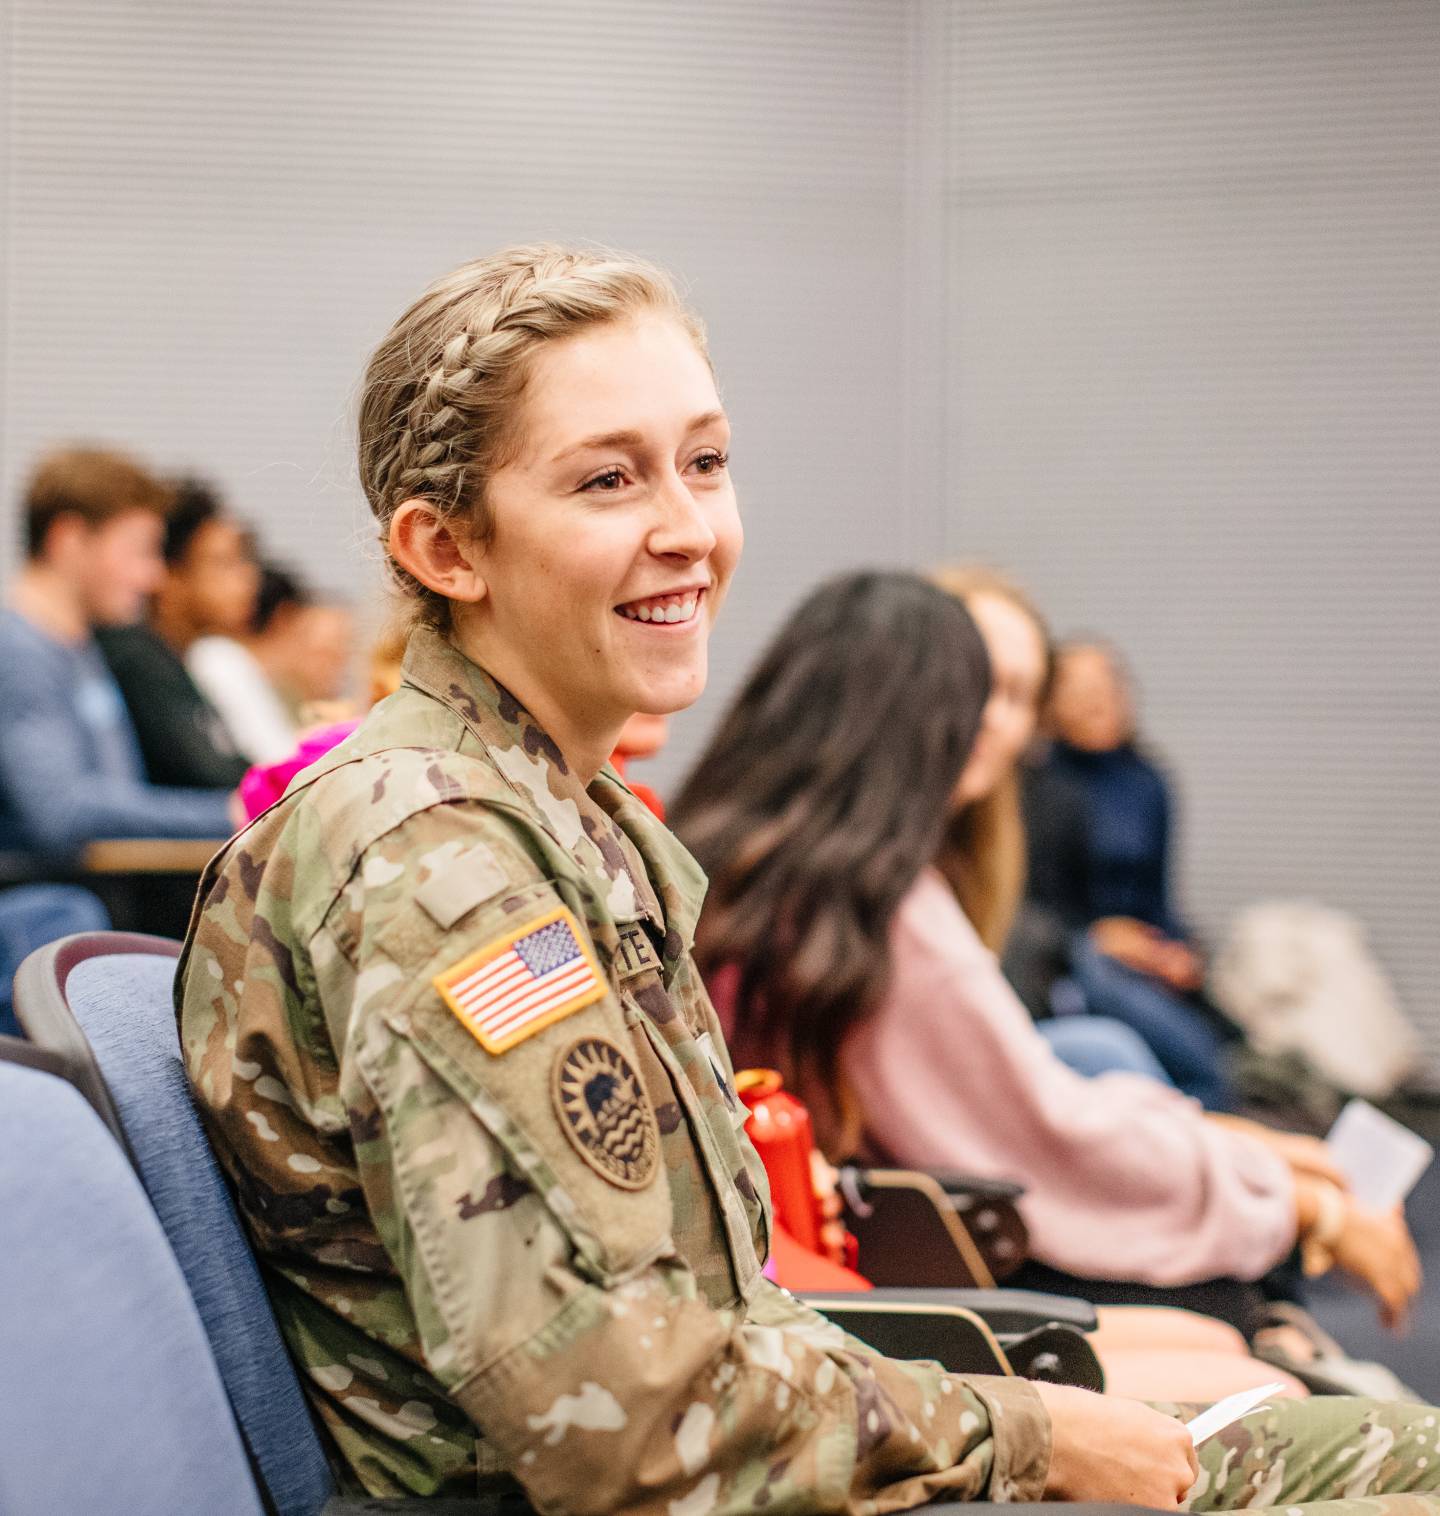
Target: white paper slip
[
  {"x": 1232, "y": 1408},
  {"x": 1381, "y": 1159}
]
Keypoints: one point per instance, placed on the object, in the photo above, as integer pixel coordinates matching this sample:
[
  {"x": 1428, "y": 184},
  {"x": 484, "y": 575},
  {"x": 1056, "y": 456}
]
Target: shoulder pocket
[{"x": 516, "y": 1016}]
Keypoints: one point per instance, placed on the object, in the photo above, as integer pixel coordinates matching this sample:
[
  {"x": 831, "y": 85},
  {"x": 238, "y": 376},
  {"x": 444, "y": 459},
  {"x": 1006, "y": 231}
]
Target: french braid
[{"x": 441, "y": 391}]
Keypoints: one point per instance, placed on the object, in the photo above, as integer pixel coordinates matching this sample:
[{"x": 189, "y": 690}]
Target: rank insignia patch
[
  {"x": 527, "y": 980},
  {"x": 605, "y": 1113}
]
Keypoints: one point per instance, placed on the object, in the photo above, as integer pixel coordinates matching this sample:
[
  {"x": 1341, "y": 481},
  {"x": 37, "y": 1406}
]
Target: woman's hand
[
  {"x": 1126, "y": 940},
  {"x": 1376, "y": 1250},
  {"x": 1118, "y": 1450},
  {"x": 1147, "y": 950}
]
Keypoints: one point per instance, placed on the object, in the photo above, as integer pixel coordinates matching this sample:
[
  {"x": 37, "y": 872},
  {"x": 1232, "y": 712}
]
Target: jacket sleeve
[
  {"x": 550, "y": 1301},
  {"x": 59, "y": 800}
]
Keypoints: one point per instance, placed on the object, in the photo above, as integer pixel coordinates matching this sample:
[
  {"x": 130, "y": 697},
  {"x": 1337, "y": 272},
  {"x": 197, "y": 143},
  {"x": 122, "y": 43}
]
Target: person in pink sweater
[
  {"x": 839, "y": 954},
  {"x": 1123, "y": 1176}
]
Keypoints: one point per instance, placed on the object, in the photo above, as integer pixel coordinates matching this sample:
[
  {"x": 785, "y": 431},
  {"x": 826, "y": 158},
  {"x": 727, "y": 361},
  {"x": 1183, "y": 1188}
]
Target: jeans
[
  {"x": 32, "y": 915},
  {"x": 1094, "y": 1045},
  {"x": 1181, "y": 1037}
]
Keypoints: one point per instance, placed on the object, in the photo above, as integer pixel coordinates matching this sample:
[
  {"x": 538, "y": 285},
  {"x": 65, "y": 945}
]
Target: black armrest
[
  {"x": 961, "y": 1329},
  {"x": 957, "y": 1338},
  {"x": 909, "y": 1231},
  {"x": 1005, "y": 1312},
  {"x": 955, "y": 1183}
]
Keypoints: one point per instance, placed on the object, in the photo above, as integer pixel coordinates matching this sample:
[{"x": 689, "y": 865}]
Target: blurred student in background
[
  {"x": 1097, "y": 800},
  {"x": 208, "y": 586},
  {"x": 70, "y": 763},
  {"x": 287, "y": 671},
  {"x": 267, "y": 782},
  {"x": 324, "y": 649},
  {"x": 243, "y": 674},
  {"x": 1018, "y": 860},
  {"x": 983, "y": 856},
  {"x": 836, "y": 951}
]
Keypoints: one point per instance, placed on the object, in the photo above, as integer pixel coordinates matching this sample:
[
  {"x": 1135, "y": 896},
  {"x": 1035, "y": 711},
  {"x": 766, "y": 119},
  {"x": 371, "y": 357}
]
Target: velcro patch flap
[{"x": 458, "y": 886}]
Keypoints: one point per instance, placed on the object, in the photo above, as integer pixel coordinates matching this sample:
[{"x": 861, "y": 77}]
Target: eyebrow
[{"x": 631, "y": 438}]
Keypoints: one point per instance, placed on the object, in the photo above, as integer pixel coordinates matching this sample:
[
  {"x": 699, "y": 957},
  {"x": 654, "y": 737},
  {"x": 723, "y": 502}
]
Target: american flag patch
[{"x": 527, "y": 980}]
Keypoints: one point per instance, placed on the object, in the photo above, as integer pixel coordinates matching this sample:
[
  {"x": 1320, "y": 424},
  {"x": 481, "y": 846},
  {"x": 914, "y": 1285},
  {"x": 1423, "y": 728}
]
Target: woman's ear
[{"x": 436, "y": 552}]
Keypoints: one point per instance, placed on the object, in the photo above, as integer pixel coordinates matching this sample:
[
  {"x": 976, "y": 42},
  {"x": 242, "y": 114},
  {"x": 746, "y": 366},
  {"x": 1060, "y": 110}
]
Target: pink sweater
[{"x": 1123, "y": 1177}]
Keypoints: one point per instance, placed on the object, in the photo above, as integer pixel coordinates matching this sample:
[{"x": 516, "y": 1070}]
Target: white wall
[
  {"x": 1133, "y": 296},
  {"x": 213, "y": 212},
  {"x": 1193, "y": 254}
]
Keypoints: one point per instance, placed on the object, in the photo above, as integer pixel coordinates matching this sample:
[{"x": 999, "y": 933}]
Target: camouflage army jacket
[{"x": 440, "y": 1015}]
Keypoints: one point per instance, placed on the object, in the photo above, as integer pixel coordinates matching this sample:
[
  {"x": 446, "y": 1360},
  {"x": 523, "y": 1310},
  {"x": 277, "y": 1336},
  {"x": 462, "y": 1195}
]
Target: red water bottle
[{"x": 779, "y": 1126}]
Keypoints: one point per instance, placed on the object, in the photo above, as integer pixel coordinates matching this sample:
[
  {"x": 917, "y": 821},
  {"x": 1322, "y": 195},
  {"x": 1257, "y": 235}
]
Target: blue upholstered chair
[
  {"x": 99, "y": 1007},
  {"x": 110, "y": 995},
  {"x": 111, "y": 1398}
]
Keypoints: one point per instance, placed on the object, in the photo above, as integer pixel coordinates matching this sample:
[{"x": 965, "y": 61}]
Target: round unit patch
[{"x": 605, "y": 1113}]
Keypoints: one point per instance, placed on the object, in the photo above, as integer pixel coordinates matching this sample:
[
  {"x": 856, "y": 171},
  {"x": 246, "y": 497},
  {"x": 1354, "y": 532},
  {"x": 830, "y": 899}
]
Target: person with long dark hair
[{"x": 836, "y": 951}]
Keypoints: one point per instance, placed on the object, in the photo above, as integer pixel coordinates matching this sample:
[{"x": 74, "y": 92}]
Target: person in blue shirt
[
  {"x": 1133, "y": 955},
  {"x": 70, "y": 765}
]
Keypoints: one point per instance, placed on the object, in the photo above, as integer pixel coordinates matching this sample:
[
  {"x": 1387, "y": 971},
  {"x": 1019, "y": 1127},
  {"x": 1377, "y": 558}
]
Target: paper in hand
[
  {"x": 1381, "y": 1159},
  {"x": 1231, "y": 1409}
]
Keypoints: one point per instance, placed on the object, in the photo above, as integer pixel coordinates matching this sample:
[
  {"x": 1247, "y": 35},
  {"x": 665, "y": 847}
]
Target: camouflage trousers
[{"x": 1329, "y": 1456}]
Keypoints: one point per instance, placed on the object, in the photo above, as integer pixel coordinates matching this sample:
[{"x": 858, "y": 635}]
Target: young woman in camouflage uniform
[{"x": 440, "y": 1013}]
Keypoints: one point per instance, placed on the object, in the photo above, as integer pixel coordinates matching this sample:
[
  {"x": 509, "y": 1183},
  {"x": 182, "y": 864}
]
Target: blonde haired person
[
  {"x": 1018, "y": 642},
  {"x": 442, "y": 1019},
  {"x": 984, "y": 855},
  {"x": 1036, "y": 914}
]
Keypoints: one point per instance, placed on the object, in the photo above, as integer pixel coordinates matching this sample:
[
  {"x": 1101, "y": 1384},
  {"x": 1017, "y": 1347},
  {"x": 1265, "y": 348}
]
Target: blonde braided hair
[{"x": 442, "y": 392}]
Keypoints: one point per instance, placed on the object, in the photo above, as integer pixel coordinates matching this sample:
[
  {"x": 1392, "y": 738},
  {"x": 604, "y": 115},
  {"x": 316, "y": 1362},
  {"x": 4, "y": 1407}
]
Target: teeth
[{"x": 669, "y": 609}]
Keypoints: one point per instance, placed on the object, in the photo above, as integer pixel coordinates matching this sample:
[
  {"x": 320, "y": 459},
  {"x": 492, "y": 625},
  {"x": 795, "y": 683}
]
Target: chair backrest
[
  {"x": 112, "y": 1401},
  {"x": 109, "y": 996}
]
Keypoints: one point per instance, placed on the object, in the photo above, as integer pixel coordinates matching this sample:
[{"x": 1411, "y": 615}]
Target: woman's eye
[
  {"x": 610, "y": 480},
  {"x": 711, "y": 463}
]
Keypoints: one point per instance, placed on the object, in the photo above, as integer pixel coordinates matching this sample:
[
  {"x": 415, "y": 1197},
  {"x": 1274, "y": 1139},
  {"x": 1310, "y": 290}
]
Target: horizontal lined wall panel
[
  {"x": 1193, "y": 353},
  {"x": 213, "y": 212}
]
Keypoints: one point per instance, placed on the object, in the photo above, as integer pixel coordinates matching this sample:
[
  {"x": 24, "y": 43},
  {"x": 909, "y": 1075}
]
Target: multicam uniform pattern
[
  {"x": 1330, "y": 1456},
  {"x": 475, "y": 1296},
  {"x": 475, "y": 1293}
]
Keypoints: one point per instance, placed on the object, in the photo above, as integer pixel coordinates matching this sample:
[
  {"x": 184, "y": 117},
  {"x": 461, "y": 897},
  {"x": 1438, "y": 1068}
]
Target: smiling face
[
  {"x": 214, "y": 585},
  {"x": 615, "y": 532},
  {"x": 1017, "y": 676},
  {"x": 1090, "y": 706}
]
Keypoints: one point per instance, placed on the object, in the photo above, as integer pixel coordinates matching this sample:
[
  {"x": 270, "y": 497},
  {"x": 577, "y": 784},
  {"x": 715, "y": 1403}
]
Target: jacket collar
[{"x": 604, "y": 828}]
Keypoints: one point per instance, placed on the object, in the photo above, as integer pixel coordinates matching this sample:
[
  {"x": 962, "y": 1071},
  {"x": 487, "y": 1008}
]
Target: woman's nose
[{"x": 682, "y": 529}]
